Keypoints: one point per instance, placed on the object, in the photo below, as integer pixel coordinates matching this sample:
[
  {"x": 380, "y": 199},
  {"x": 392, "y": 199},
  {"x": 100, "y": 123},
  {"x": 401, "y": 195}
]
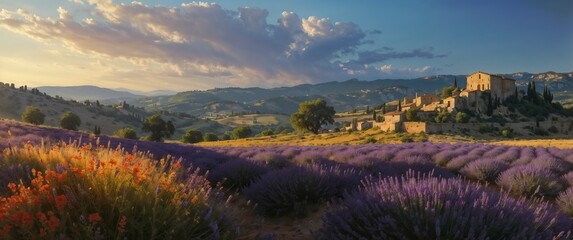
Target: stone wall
[
  {"x": 563, "y": 126},
  {"x": 414, "y": 127}
]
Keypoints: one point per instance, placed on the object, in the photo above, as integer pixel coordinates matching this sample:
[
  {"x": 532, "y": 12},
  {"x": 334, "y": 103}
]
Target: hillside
[
  {"x": 109, "y": 118},
  {"x": 343, "y": 96},
  {"x": 93, "y": 93}
]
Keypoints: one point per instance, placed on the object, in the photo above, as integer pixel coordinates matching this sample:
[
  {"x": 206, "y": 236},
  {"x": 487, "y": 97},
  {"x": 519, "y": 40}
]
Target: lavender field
[{"x": 404, "y": 191}]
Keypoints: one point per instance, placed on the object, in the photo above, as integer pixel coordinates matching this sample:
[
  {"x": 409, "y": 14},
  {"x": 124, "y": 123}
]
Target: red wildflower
[
  {"x": 61, "y": 202},
  {"x": 94, "y": 217}
]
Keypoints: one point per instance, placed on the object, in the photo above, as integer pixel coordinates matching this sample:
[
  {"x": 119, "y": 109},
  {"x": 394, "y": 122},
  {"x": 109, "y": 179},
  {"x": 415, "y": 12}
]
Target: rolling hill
[
  {"x": 343, "y": 96},
  {"x": 109, "y": 118}
]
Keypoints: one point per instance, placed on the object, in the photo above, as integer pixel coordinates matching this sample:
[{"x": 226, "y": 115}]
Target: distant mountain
[
  {"x": 147, "y": 94},
  {"x": 343, "y": 96},
  {"x": 93, "y": 93},
  {"x": 284, "y": 100}
]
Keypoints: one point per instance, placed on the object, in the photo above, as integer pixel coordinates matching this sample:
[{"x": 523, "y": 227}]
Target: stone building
[
  {"x": 481, "y": 88},
  {"x": 499, "y": 86}
]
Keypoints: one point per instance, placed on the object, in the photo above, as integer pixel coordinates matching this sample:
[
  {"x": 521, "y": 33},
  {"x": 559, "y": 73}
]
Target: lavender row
[{"x": 523, "y": 171}]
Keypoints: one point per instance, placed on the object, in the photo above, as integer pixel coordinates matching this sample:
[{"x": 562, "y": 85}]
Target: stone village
[{"x": 481, "y": 90}]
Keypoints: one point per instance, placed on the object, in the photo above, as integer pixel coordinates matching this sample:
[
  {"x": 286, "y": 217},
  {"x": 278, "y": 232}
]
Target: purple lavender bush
[
  {"x": 530, "y": 181},
  {"x": 310, "y": 157},
  {"x": 273, "y": 160},
  {"x": 568, "y": 178},
  {"x": 442, "y": 158},
  {"x": 434, "y": 208},
  {"x": 237, "y": 174},
  {"x": 565, "y": 201},
  {"x": 460, "y": 162},
  {"x": 485, "y": 169},
  {"x": 298, "y": 190},
  {"x": 551, "y": 163}
]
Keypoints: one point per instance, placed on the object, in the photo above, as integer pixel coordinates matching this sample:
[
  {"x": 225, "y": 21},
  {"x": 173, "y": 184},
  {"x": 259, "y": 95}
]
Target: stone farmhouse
[{"x": 481, "y": 88}]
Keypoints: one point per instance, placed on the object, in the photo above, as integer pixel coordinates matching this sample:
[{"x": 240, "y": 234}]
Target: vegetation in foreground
[
  {"x": 76, "y": 192},
  {"x": 390, "y": 182}
]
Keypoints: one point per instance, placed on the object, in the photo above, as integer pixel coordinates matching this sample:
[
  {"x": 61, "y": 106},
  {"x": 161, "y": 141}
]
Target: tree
[
  {"x": 462, "y": 117},
  {"x": 374, "y": 115},
  {"x": 443, "y": 116},
  {"x": 158, "y": 127},
  {"x": 447, "y": 92},
  {"x": 547, "y": 96},
  {"x": 97, "y": 130},
  {"x": 242, "y": 132},
  {"x": 192, "y": 136},
  {"x": 127, "y": 133},
  {"x": 70, "y": 121},
  {"x": 225, "y": 137},
  {"x": 412, "y": 115},
  {"x": 312, "y": 115},
  {"x": 210, "y": 137},
  {"x": 33, "y": 115},
  {"x": 455, "y": 83},
  {"x": 399, "y": 106},
  {"x": 267, "y": 132}
]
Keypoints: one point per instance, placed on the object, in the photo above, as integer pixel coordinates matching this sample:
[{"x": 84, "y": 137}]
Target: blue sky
[{"x": 179, "y": 45}]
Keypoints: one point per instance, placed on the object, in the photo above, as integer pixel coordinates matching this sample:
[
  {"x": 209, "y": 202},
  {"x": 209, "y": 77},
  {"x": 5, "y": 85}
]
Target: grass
[
  {"x": 255, "y": 119},
  {"x": 340, "y": 138}
]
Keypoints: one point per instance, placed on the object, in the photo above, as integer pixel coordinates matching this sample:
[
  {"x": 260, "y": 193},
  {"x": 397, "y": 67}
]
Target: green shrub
[
  {"x": 506, "y": 132},
  {"x": 210, "y": 137},
  {"x": 407, "y": 138},
  {"x": 192, "y": 136},
  {"x": 242, "y": 132},
  {"x": 70, "y": 121},
  {"x": 370, "y": 140},
  {"x": 33, "y": 115},
  {"x": 462, "y": 117},
  {"x": 127, "y": 133}
]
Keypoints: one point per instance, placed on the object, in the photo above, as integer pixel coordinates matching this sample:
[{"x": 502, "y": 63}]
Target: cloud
[{"x": 203, "y": 40}]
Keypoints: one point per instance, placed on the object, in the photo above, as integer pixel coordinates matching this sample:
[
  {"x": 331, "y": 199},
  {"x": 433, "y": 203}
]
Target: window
[{"x": 479, "y": 76}]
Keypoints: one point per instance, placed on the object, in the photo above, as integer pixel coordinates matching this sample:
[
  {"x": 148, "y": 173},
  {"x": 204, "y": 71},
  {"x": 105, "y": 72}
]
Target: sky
[{"x": 180, "y": 46}]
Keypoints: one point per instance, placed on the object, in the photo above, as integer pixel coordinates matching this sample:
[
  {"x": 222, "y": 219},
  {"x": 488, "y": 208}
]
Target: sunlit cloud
[{"x": 209, "y": 45}]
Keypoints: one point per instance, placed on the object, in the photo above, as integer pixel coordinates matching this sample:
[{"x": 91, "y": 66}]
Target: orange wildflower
[
  {"x": 121, "y": 224},
  {"x": 94, "y": 217},
  {"x": 27, "y": 219},
  {"x": 51, "y": 175},
  {"x": 53, "y": 223},
  {"x": 41, "y": 217},
  {"x": 135, "y": 170},
  {"x": 177, "y": 165},
  {"x": 62, "y": 176},
  {"x": 195, "y": 199},
  {"x": 12, "y": 187},
  {"x": 61, "y": 202}
]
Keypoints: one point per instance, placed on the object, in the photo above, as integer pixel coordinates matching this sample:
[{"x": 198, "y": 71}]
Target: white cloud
[
  {"x": 76, "y": 1},
  {"x": 204, "y": 41}
]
